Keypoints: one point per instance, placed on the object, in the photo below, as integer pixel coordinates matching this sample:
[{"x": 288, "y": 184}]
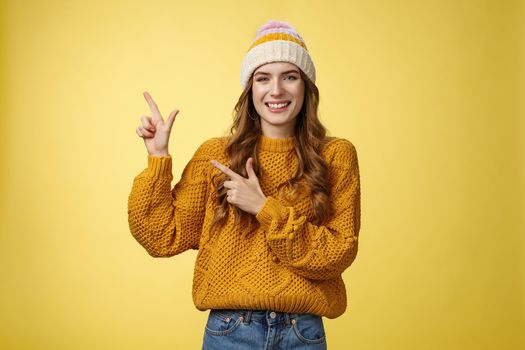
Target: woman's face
[{"x": 278, "y": 95}]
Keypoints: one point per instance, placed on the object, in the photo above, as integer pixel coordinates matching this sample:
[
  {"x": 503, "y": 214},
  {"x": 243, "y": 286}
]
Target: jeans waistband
[{"x": 268, "y": 315}]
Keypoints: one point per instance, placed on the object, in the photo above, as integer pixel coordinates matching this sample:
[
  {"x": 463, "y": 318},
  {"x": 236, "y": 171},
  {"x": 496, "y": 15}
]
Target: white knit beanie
[{"x": 276, "y": 41}]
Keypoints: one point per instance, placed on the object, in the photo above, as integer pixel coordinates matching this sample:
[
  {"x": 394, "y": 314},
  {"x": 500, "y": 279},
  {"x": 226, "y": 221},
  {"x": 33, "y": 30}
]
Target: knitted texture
[
  {"x": 287, "y": 263},
  {"x": 276, "y": 41}
]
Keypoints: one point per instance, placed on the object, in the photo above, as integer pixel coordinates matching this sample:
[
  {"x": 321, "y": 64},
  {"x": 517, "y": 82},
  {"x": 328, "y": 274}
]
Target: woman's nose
[{"x": 277, "y": 87}]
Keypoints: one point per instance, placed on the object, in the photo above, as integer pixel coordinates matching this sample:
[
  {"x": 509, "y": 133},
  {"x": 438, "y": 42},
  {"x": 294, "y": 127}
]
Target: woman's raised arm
[{"x": 163, "y": 220}]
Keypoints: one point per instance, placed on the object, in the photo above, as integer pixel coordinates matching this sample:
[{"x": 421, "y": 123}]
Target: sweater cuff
[
  {"x": 159, "y": 166},
  {"x": 271, "y": 210}
]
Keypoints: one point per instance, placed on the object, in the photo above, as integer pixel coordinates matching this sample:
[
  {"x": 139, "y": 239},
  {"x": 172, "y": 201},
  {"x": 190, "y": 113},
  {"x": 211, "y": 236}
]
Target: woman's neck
[{"x": 281, "y": 132}]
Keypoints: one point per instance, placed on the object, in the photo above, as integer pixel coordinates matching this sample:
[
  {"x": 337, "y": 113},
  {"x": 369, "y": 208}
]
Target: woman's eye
[{"x": 292, "y": 77}]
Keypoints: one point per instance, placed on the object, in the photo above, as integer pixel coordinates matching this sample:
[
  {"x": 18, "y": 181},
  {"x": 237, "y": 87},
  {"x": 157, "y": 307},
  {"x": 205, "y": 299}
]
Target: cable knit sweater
[{"x": 287, "y": 264}]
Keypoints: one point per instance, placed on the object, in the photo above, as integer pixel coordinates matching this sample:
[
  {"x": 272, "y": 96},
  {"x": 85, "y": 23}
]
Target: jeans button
[{"x": 272, "y": 314}]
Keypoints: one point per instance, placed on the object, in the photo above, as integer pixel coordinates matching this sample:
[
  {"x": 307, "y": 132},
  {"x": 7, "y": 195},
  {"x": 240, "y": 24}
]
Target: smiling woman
[
  {"x": 274, "y": 208},
  {"x": 278, "y": 94}
]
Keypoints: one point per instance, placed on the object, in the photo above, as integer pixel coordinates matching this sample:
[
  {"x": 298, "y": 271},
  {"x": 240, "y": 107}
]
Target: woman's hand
[
  {"x": 244, "y": 193},
  {"x": 154, "y": 130}
]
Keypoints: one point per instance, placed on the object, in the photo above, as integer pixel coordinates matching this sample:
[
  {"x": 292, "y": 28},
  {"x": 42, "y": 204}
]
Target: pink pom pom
[{"x": 275, "y": 24}]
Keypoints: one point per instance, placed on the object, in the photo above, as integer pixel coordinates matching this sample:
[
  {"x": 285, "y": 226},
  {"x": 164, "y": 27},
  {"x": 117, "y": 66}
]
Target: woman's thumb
[
  {"x": 249, "y": 169},
  {"x": 171, "y": 119}
]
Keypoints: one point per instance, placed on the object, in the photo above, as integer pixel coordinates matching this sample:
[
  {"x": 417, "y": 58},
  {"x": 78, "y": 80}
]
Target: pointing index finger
[
  {"x": 153, "y": 107},
  {"x": 232, "y": 174}
]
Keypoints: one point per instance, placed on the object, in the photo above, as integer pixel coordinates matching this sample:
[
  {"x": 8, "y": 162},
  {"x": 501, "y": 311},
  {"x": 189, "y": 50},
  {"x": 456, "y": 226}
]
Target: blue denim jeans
[{"x": 264, "y": 330}]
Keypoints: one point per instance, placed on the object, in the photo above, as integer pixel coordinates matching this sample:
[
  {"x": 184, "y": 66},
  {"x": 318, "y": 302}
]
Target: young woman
[{"x": 273, "y": 208}]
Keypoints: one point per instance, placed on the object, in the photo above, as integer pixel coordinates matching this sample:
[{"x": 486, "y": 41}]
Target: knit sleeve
[
  {"x": 319, "y": 252},
  {"x": 168, "y": 221}
]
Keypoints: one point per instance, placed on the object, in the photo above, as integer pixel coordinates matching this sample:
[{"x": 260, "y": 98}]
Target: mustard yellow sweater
[{"x": 288, "y": 264}]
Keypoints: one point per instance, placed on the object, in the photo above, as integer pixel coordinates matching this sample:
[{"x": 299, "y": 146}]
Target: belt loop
[
  {"x": 248, "y": 316},
  {"x": 287, "y": 318}
]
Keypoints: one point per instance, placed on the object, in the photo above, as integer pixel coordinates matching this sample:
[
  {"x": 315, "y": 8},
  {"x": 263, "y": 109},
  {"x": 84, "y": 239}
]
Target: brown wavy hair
[{"x": 309, "y": 139}]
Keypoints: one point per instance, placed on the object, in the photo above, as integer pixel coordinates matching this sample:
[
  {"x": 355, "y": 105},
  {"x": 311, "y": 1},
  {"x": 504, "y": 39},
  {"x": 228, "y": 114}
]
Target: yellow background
[{"x": 430, "y": 93}]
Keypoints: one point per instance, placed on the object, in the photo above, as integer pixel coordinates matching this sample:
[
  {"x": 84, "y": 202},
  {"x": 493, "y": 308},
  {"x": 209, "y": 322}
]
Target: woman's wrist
[
  {"x": 160, "y": 154},
  {"x": 259, "y": 207}
]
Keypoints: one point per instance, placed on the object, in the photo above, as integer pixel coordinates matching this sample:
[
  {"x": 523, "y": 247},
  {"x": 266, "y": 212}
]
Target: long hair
[{"x": 309, "y": 139}]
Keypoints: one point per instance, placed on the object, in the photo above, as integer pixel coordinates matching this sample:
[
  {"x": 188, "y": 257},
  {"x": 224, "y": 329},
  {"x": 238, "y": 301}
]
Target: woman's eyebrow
[{"x": 288, "y": 71}]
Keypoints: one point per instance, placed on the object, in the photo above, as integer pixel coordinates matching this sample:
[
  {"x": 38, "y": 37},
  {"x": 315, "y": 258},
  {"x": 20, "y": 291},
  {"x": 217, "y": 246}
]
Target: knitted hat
[{"x": 276, "y": 41}]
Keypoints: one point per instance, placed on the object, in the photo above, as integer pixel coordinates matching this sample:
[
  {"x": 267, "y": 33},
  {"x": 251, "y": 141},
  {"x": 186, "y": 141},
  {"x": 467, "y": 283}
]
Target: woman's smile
[{"x": 277, "y": 107}]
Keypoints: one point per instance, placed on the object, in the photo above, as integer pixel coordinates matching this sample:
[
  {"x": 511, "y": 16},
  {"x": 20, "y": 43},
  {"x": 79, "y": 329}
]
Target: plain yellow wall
[{"x": 430, "y": 92}]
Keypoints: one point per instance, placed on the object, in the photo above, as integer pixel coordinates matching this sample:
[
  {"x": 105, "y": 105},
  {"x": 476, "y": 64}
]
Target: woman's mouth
[{"x": 277, "y": 107}]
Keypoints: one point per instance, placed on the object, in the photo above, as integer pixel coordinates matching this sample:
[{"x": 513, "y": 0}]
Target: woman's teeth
[{"x": 280, "y": 105}]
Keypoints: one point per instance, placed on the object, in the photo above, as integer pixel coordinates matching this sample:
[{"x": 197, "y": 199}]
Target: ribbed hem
[
  {"x": 271, "y": 210},
  {"x": 282, "y": 303},
  {"x": 276, "y": 145},
  {"x": 159, "y": 167}
]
